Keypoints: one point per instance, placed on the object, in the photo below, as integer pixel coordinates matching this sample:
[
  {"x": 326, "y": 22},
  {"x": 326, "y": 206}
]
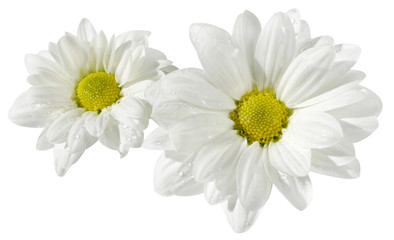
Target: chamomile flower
[
  {"x": 87, "y": 88},
  {"x": 270, "y": 105}
]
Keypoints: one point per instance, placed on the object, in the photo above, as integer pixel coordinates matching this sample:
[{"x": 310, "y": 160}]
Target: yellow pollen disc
[
  {"x": 97, "y": 91},
  {"x": 260, "y": 117}
]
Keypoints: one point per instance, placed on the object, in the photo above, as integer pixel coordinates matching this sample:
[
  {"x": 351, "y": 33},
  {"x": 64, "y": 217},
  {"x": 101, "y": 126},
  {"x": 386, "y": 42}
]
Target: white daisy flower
[
  {"x": 270, "y": 106},
  {"x": 88, "y": 88}
]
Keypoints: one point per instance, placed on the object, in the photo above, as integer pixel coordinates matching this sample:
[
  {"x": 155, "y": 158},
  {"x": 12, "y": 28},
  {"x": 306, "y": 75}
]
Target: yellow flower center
[
  {"x": 97, "y": 91},
  {"x": 260, "y": 117}
]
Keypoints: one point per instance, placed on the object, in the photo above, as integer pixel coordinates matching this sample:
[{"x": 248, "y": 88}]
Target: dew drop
[
  {"x": 77, "y": 136},
  {"x": 181, "y": 174},
  {"x": 173, "y": 92}
]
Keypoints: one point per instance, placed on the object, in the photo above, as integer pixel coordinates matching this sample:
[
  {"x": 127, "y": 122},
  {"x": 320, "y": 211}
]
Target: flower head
[
  {"x": 269, "y": 106},
  {"x": 88, "y": 88}
]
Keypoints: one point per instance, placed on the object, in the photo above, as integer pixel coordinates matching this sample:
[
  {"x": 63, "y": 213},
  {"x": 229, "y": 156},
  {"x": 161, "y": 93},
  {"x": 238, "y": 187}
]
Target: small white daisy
[
  {"x": 88, "y": 88},
  {"x": 270, "y": 106}
]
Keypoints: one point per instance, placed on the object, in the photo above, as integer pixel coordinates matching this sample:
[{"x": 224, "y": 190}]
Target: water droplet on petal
[
  {"x": 180, "y": 173},
  {"x": 77, "y": 136}
]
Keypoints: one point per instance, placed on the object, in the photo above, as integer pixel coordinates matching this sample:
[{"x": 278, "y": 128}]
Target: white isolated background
[{"x": 104, "y": 197}]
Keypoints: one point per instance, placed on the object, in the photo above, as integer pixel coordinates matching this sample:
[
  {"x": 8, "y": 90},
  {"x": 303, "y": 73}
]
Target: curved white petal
[
  {"x": 78, "y": 138},
  {"x": 42, "y": 141},
  {"x": 137, "y": 37},
  {"x": 64, "y": 158},
  {"x": 305, "y": 75},
  {"x": 86, "y": 31},
  {"x": 253, "y": 183},
  {"x": 290, "y": 159},
  {"x": 327, "y": 166},
  {"x": 212, "y": 194},
  {"x": 195, "y": 130},
  {"x": 246, "y": 32},
  {"x": 166, "y": 113},
  {"x": 349, "y": 81},
  {"x": 297, "y": 190},
  {"x": 111, "y": 136},
  {"x": 222, "y": 59},
  {"x": 172, "y": 177},
  {"x": 59, "y": 129},
  {"x": 129, "y": 138},
  {"x": 301, "y": 29},
  {"x": 369, "y": 105},
  {"x": 238, "y": 217},
  {"x": 159, "y": 139},
  {"x": 137, "y": 89},
  {"x": 275, "y": 48},
  {"x": 114, "y": 55},
  {"x": 96, "y": 123},
  {"x": 356, "y": 129},
  {"x": 72, "y": 55},
  {"x": 217, "y": 156},
  {"x": 130, "y": 64},
  {"x": 21, "y": 112},
  {"x": 132, "y": 111},
  {"x": 190, "y": 85},
  {"x": 311, "y": 129}
]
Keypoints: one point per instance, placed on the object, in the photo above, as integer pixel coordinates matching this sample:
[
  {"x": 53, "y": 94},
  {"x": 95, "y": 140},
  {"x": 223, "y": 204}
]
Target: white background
[{"x": 104, "y": 197}]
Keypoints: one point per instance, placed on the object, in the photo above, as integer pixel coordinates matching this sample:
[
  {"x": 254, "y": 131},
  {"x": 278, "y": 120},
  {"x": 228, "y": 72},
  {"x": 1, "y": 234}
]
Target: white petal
[
  {"x": 130, "y": 65},
  {"x": 21, "y": 112},
  {"x": 97, "y": 51},
  {"x": 114, "y": 56},
  {"x": 86, "y": 31},
  {"x": 64, "y": 159},
  {"x": 166, "y": 113},
  {"x": 290, "y": 159},
  {"x": 59, "y": 129},
  {"x": 42, "y": 142},
  {"x": 159, "y": 139},
  {"x": 301, "y": 28},
  {"x": 297, "y": 190},
  {"x": 305, "y": 75},
  {"x": 35, "y": 63},
  {"x": 310, "y": 129},
  {"x": 238, "y": 217},
  {"x": 356, "y": 129},
  {"x": 340, "y": 154},
  {"x": 349, "y": 81},
  {"x": 253, "y": 183},
  {"x": 275, "y": 48},
  {"x": 52, "y": 95},
  {"x": 246, "y": 31},
  {"x": 137, "y": 37},
  {"x": 72, "y": 54},
  {"x": 129, "y": 138},
  {"x": 95, "y": 123},
  {"x": 217, "y": 156},
  {"x": 224, "y": 62},
  {"x": 111, "y": 136},
  {"x": 170, "y": 179},
  {"x": 212, "y": 194},
  {"x": 137, "y": 89},
  {"x": 341, "y": 100},
  {"x": 329, "y": 167},
  {"x": 191, "y": 86},
  {"x": 369, "y": 105},
  {"x": 195, "y": 130},
  {"x": 132, "y": 112},
  {"x": 78, "y": 138}
]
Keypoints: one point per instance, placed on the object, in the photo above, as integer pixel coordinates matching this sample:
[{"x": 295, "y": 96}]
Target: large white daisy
[
  {"x": 270, "y": 106},
  {"x": 88, "y": 88}
]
